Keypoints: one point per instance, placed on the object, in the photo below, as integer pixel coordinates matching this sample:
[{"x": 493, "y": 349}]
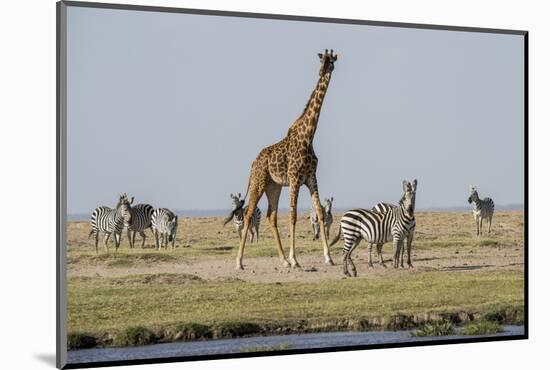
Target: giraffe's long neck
[{"x": 307, "y": 123}]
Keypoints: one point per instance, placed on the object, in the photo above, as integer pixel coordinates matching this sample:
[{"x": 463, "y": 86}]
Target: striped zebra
[
  {"x": 237, "y": 215},
  {"x": 383, "y": 208},
  {"x": 482, "y": 209},
  {"x": 141, "y": 221},
  {"x": 327, "y": 212},
  {"x": 376, "y": 227},
  {"x": 164, "y": 224},
  {"x": 111, "y": 221}
]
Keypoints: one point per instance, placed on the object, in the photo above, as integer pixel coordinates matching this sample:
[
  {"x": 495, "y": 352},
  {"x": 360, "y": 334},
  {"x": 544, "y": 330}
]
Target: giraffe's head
[
  {"x": 124, "y": 206},
  {"x": 408, "y": 201},
  {"x": 473, "y": 194},
  {"x": 327, "y": 61}
]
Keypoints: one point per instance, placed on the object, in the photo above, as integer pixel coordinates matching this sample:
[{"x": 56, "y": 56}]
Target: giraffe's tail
[{"x": 337, "y": 237}]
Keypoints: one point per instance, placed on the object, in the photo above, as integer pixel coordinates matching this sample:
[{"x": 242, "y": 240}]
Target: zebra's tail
[{"x": 337, "y": 237}]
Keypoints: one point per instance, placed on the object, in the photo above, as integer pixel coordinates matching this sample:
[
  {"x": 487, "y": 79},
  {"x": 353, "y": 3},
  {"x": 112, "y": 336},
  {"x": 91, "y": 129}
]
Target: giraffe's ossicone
[{"x": 290, "y": 162}]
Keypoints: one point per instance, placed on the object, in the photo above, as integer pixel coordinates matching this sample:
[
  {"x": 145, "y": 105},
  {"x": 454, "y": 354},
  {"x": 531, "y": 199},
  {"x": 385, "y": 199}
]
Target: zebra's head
[
  {"x": 328, "y": 204},
  {"x": 236, "y": 204},
  {"x": 172, "y": 226},
  {"x": 408, "y": 201},
  {"x": 327, "y": 61},
  {"x": 124, "y": 207},
  {"x": 236, "y": 201},
  {"x": 473, "y": 194}
]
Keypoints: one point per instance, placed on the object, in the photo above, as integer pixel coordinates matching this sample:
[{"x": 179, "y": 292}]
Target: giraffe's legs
[
  {"x": 255, "y": 195},
  {"x": 273, "y": 192},
  {"x": 294, "y": 190},
  {"x": 313, "y": 189}
]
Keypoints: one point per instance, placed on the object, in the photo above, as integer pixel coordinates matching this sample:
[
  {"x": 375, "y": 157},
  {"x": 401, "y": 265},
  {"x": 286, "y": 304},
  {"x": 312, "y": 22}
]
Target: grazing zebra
[
  {"x": 482, "y": 209},
  {"x": 111, "y": 221},
  {"x": 383, "y": 208},
  {"x": 327, "y": 212},
  {"x": 141, "y": 221},
  {"x": 164, "y": 224},
  {"x": 376, "y": 227},
  {"x": 237, "y": 215}
]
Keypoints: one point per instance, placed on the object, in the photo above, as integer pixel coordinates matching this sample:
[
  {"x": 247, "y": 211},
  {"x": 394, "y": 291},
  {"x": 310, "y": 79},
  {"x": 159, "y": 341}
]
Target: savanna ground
[{"x": 142, "y": 296}]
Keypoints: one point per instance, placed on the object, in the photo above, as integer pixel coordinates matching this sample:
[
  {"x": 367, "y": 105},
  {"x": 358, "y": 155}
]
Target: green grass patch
[
  {"x": 505, "y": 314},
  {"x": 134, "y": 336},
  {"x": 231, "y": 308},
  {"x": 482, "y": 328},
  {"x": 80, "y": 341},
  {"x": 437, "y": 329}
]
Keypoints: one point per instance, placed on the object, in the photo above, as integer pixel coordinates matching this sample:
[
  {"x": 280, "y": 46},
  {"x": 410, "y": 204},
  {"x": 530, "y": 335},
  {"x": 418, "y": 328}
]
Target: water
[{"x": 238, "y": 345}]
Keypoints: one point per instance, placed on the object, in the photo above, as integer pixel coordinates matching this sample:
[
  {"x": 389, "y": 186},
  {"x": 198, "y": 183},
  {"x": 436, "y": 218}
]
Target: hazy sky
[{"x": 173, "y": 109}]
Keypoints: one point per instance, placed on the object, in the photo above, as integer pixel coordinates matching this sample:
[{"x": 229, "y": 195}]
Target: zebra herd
[
  {"x": 383, "y": 223},
  {"x": 135, "y": 219}
]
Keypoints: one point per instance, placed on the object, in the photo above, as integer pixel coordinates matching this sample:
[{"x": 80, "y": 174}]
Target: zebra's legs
[
  {"x": 251, "y": 235},
  {"x": 256, "y": 193},
  {"x": 96, "y": 241},
  {"x": 117, "y": 237},
  {"x": 173, "y": 240},
  {"x": 380, "y": 257},
  {"x": 106, "y": 241},
  {"x": 489, "y": 221},
  {"x": 327, "y": 232},
  {"x": 273, "y": 192},
  {"x": 369, "y": 248},
  {"x": 143, "y": 237},
  {"x": 257, "y": 227},
  {"x": 129, "y": 233},
  {"x": 347, "y": 256},
  {"x": 396, "y": 250},
  {"x": 410, "y": 238},
  {"x": 134, "y": 238},
  {"x": 313, "y": 189},
  {"x": 480, "y": 226},
  {"x": 156, "y": 234}
]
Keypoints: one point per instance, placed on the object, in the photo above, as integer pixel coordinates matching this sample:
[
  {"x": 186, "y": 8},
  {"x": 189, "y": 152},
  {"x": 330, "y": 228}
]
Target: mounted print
[{"x": 235, "y": 184}]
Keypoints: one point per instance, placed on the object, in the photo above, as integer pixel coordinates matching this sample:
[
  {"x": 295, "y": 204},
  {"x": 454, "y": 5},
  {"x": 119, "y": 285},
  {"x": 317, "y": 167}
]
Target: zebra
[
  {"x": 482, "y": 209},
  {"x": 111, "y": 221},
  {"x": 327, "y": 212},
  {"x": 237, "y": 215},
  {"x": 376, "y": 227},
  {"x": 383, "y": 208},
  {"x": 164, "y": 224},
  {"x": 141, "y": 221}
]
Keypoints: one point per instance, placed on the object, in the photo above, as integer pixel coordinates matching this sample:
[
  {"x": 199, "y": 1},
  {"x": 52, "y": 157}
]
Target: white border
[{"x": 28, "y": 187}]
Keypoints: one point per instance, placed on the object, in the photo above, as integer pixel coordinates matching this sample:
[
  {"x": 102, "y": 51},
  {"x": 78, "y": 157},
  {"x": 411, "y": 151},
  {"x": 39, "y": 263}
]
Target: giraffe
[{"x": 290, "y": 162}]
